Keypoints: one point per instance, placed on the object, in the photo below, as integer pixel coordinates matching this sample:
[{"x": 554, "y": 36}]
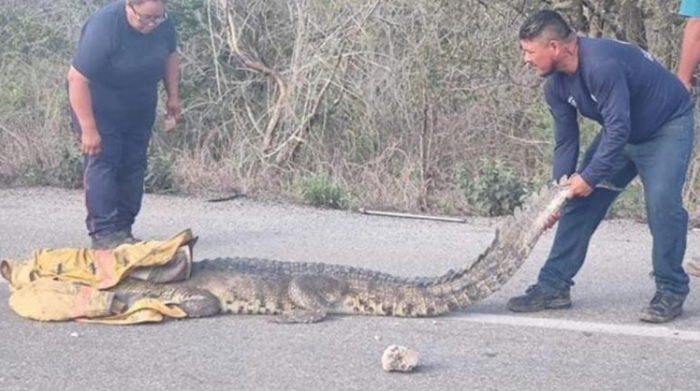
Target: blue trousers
[
  {"x": 114, "y": 179},
  {"x": 662, "y": 164}
]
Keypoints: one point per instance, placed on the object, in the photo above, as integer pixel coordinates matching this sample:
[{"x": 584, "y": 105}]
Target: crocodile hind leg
[{"x": 312, "y": 297}]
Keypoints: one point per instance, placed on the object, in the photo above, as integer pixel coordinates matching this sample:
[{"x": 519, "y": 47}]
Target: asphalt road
[{"x": 597, "y": 345}]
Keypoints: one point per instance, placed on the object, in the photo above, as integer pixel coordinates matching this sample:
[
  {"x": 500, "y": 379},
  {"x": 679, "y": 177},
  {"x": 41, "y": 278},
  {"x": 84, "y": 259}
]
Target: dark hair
[{"x": 543, "y": 21}]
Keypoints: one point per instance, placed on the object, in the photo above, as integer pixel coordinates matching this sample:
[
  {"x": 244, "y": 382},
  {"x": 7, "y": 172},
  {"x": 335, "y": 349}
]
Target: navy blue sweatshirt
[{"x": 622, "y": 88}]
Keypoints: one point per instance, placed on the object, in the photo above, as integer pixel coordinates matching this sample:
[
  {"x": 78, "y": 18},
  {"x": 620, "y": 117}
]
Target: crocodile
[{"x": 301, "y": 292}]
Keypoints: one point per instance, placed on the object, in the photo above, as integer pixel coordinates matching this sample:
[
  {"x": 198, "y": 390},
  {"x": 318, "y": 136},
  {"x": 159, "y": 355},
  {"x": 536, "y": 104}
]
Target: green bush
[
  {"x": 630, "y": 203},
  {"x": 69, "y": 172},
  {"x": 159, "y": 175},
  {"x": 495, "y": 190},
  {"x": 322, "y": 190}
]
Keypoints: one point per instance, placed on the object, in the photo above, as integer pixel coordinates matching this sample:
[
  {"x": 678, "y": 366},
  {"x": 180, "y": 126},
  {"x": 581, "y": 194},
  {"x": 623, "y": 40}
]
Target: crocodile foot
[{"x": 300, "y": 316}]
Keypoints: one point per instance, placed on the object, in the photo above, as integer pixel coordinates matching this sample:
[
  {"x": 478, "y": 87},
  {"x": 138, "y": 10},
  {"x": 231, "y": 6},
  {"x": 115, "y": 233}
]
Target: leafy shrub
[
  {"x": 630, "y": 203},
  {"x": 69, "y": 172},
  {"x": 66, "y": 172},
  {"x": 495, "y": 190},
  {"x": 322, "y": 190},
  {"x": 159, "y": 175}
]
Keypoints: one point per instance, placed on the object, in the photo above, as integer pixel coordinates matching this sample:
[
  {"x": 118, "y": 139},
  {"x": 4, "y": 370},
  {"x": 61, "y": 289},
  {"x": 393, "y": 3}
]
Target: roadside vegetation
[{"x": 406, "y": 105}]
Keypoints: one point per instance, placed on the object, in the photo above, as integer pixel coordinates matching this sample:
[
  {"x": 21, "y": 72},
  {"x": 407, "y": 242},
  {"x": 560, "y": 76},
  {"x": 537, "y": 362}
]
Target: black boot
[
  {"x": 664, "y": 307},
  {"x": 127, "y": 237},
  {"x": 106, "y": 241},
  {"x": 112, "y": 240},
  {"x": 538, "y": 298}
]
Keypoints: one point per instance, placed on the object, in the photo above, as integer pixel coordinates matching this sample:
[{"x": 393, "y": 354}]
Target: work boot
[
  {"x": 112, "y": 240},
  {"x": 126, "y": 237},
  {"x": 538, "y": 298},
  {"x": 664, "y": 307},
  {"x": 106, "y": 241}
]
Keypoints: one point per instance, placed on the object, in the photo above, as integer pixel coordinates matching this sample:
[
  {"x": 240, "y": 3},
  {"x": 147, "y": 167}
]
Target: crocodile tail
[{"x": 515, "y": 238}]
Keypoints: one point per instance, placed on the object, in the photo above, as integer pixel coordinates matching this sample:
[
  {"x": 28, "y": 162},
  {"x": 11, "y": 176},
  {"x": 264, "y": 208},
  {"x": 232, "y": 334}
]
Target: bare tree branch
[
  {"x": 258, "y": 66},
  {"x": 609, "y": 19}
]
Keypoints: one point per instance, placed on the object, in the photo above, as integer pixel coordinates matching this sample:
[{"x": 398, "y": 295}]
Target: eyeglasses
[{"x": 149, "y": 20}]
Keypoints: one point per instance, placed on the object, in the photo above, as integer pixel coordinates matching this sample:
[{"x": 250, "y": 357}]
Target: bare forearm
[
  {"x": 690, "y": 51},
  {"x": 172, "y": 76},
  {"x": 81, "y": 103},
  {"x": 81, "y": 100}
]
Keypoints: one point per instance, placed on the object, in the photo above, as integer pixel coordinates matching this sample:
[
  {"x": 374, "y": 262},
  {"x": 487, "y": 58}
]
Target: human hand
[
  {"x": 90, "y": 142},
  {"x": 578, "y": 187},
  {"x": 173, "y": 108},
  {"x": 688, "y": 83},
  {"x": 173, "y": 113}
]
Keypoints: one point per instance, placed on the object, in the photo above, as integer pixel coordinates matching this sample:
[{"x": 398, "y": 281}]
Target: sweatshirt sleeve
[
  {"x": 566, "y": 132},
  {"x": 608, "y": 85}
]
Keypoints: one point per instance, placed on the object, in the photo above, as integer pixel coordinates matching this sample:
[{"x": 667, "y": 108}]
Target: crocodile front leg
[
  {"x": 197, "y": 303},
  {"x": 312, "y": 297}
]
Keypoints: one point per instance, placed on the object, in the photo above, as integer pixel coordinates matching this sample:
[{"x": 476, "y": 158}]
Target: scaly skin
[{"x": 307, "y": 292}]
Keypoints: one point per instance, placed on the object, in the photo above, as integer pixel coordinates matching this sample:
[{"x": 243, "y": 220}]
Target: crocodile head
[{"x": 17, "y": 273}]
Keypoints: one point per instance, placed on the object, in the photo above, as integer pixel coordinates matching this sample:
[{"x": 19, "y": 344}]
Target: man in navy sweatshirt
[{"x": 647, "y": 130}]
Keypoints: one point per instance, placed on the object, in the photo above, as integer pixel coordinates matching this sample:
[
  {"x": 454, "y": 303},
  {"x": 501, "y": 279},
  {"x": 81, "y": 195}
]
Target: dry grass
[{"x": 392, "y": 100}]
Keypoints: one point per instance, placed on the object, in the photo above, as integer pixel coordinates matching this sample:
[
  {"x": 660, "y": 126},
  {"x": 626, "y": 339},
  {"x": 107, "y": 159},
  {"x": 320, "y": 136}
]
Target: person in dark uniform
[
  {"x": 125, "y": 50},
  {"x": 647, "y": 130}
]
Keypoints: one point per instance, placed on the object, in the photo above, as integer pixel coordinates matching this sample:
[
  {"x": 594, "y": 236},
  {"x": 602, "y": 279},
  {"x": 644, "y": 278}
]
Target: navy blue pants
[
  {"x": 114, "y": 179},
  {"x": 662, "y": 163}
]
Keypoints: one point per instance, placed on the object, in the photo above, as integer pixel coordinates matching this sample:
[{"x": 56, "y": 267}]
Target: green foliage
[
  {"x": 27, "y": 36},
  {"x": 630, "y": 203},
  {"x": 159, "y": 175},
  {"x": 14, "y": 94},
  {"x": 495, "y": 190},
  {"x": 68, "y": 172},
  {"x": 190, "y": 17},
  {"x": 323, "y": 190}
]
